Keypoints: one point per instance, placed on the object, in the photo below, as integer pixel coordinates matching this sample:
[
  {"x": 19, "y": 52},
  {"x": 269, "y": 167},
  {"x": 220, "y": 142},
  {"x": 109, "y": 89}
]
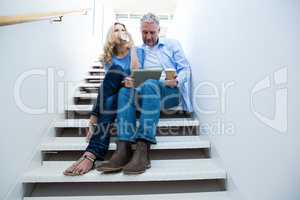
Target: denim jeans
[
  {"x": 105, "y": 108},
  {"x": 150, "y": 98}
]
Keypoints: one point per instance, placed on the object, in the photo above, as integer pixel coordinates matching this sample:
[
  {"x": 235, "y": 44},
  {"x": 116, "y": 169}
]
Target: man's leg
[
  {"x": 152, "y": 93},
  {"x": 149, "y": 98},
  {"x": 126, "y": 126},
  {"x": 170, "y": 97},
  {"x": 149, "y": 95},
  {"x": 126, "y": 117},
  {"x": 154, "y": 96}
]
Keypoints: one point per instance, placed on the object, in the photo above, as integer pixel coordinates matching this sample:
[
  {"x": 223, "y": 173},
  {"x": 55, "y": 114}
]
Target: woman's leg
[
  {"x": 105, "y": 109},
  {"x": 106, "y": 105}
]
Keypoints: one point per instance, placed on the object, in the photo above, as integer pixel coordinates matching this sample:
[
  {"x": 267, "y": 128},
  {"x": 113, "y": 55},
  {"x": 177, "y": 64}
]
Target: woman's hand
[
  {"x": 93, "y": 119},
  {"x": 129, "y": 82}
]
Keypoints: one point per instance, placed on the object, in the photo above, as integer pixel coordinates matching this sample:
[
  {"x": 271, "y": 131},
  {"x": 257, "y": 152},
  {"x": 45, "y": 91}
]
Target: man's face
[{"x": 150, "y": 33}]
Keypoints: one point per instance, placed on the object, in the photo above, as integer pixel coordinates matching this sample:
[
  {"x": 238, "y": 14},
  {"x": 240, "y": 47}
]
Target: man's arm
[{"x": 181, "y": 63}]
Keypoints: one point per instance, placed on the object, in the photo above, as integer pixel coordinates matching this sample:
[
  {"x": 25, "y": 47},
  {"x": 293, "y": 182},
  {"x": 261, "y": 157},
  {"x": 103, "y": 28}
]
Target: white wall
[
  {"x": 68, "y": 47},
  {"x": 104, "y": 18},
  {"x": 238, "y": 44}
]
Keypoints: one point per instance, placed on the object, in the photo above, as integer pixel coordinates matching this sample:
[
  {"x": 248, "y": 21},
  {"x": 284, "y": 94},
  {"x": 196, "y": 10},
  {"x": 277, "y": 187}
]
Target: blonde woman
[{"x": 119, "y": 58}]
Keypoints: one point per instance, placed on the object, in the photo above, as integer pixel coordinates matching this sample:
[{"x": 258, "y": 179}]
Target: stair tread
[
  {"x": 90, "y": 85},
  {"x": 88, "y": 107},
  {"x": 161, "y": 170},
  {"x": 163, "y": 142},
  {"x": 220, "y": 195},
  {"x": 95, "y": 77},
  {"x": 96, "y": 70},
  {"x": 165, "y": 122},
  {"x": 86, "y": 95},
  {"x": 96, "y": 62},
  {"x": 79, "y": 108}
]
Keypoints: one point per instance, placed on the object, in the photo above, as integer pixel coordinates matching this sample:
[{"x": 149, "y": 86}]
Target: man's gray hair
[{"x": 150, "y": 18}]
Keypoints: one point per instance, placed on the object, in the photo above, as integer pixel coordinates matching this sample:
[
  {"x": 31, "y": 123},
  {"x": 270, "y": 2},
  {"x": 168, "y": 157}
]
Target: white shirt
[{"x": 152, "y": 60}]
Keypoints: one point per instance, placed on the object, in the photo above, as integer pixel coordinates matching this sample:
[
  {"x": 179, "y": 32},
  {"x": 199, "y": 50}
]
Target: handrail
[{"x": 10, "y": 20}]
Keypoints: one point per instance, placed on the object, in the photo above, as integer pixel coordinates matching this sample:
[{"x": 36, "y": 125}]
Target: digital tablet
[{"x": 141, "y": 75}]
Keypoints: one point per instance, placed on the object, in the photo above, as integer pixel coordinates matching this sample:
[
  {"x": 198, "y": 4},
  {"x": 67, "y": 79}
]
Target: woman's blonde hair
[{"x": 109, "y": 47}]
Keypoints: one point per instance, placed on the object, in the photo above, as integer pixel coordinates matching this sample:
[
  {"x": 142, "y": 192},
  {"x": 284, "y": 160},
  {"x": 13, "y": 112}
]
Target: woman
[{"x": 119, "y": 58}]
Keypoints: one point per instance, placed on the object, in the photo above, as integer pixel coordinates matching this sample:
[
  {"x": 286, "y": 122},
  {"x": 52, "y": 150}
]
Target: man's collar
[{"x": 161, "y": 42}]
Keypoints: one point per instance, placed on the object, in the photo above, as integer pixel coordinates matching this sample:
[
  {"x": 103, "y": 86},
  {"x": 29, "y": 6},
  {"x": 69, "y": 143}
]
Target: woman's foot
[{"x": 82, "y": 166}]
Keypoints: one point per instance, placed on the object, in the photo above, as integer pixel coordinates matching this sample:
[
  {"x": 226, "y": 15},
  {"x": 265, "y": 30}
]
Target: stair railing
[{"x": 52, "y": 16}]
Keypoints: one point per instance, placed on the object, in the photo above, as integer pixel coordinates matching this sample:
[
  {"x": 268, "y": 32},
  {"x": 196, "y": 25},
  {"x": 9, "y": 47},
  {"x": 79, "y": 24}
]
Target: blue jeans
[
  {"x": 105, "y": 109},
  {"x": 149, "y": 98}
]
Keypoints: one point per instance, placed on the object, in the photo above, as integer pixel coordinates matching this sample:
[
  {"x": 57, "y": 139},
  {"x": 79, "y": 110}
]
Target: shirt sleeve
[
  {"x": 141, "y": 56},
  {"x": 182, "y": 65}
]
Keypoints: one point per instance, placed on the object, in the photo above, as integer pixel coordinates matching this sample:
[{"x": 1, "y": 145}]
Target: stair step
[
  {"x": 161, "y": 170},
  {"x": 94, "y": 80},
  {"x": 101, "y": 70},
  {"x": 90, "y": 86},
  {"x": 82, "y": 111},
  {"x": 101, "y": 77},
  {"x": 97, "y": 65},
  {"x": 166, "y": 122},
  {"x": 172, "y": 196},
  {"x": 92, "y": 96},
  {"x": 163, "y": 142},
  {"x": 88, "y": 108},
  {"x": 79, "y": 108}
]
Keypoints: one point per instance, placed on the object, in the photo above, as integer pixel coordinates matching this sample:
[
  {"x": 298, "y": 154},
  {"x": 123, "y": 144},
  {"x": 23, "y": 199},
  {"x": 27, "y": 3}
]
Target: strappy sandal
[{"x": 69, "y": 171}]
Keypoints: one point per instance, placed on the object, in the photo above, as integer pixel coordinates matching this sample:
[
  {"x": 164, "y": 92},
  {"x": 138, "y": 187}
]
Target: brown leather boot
[
  {"x": 119, "y": 159},
  {"x": 140, "y": 160}
]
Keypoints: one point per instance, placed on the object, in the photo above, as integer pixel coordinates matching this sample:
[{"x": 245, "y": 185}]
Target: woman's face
[
  {"x": 118, "y": 32},
  {"x": 118, "y": 28}
]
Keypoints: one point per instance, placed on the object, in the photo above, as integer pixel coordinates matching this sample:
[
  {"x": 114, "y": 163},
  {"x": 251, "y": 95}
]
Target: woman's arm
[{"x": 134, "y": 59}]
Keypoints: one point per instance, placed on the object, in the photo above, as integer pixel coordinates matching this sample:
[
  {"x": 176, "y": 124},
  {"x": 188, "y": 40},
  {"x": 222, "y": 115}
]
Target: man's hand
[
  {"x": 171, "y": 83},
  {"x": 129, "y": 82}
]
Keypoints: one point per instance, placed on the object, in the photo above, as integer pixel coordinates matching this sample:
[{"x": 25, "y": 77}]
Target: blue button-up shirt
[{"x": 171, "y": 55}]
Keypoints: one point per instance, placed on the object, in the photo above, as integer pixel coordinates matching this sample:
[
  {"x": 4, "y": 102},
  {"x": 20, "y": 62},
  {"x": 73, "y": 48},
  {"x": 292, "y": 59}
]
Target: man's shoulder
[{"x": 169, "y": 41}]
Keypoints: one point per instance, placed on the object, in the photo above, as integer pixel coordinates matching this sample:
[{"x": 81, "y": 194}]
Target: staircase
[{"x": 181, "y": 164}]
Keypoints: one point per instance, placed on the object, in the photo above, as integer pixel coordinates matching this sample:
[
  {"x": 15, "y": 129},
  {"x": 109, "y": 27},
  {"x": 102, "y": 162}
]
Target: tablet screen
[{"x": 141, "y": 75}]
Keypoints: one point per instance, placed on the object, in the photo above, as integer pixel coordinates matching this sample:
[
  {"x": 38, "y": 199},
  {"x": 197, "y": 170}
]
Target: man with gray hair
[{"x": 153, "y": 96}]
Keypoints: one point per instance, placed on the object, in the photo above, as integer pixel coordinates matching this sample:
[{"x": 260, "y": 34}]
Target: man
[{"x": 152, "y": 96}]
